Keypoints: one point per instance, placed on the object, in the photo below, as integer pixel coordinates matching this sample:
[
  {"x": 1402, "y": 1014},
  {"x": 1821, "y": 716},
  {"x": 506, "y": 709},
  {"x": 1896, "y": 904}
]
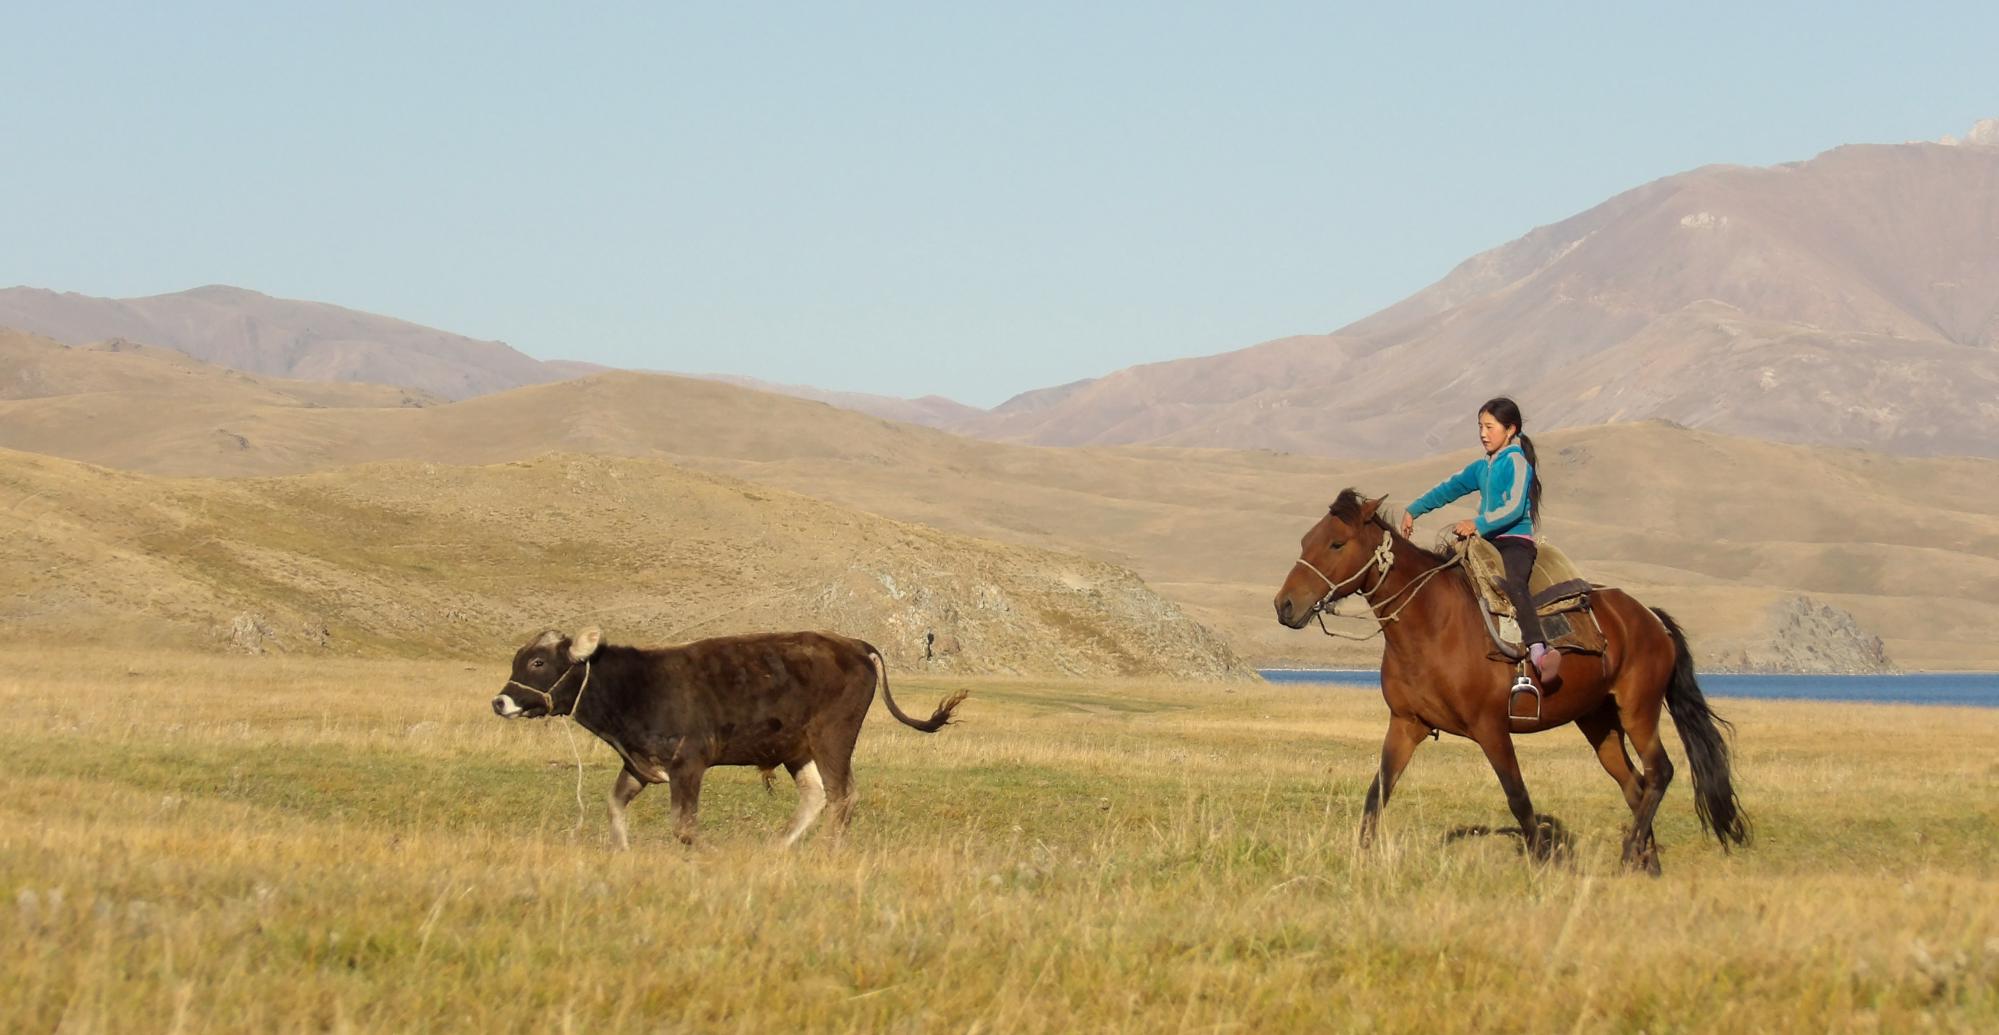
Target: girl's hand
[
  {"x": 1408, "y": 526},
  {"x": 1465, "y": 529}
]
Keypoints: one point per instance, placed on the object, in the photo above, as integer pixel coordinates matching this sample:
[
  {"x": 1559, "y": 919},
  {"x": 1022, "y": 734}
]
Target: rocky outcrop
[{"x": 1811, "y": 636}]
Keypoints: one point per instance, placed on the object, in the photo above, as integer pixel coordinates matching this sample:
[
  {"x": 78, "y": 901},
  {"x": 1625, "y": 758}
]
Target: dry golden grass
[
  {"x": 426, "y": 560},
  {"x": 192, "y": 843}
]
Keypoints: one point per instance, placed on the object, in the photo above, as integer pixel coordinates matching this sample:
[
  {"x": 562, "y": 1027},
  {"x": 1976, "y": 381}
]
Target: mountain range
[
  {"x": 1765, "y": 399},
  {"x": 280, "y": 337},
  {"x": 1851, "y": 299}
]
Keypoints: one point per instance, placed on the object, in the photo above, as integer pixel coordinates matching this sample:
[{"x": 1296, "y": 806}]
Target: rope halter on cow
[{"x": 548, "y": 695}]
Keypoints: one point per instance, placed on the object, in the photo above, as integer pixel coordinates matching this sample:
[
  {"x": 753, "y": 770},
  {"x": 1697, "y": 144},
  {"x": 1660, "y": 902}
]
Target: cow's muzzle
[{"x": 505, "y": 708}]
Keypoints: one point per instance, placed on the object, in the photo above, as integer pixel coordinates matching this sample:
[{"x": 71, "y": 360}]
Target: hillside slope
[
  {"x": 1726, "y": 532},
  {"x": 413, "y": 558},
  {"x": 280, "y": 337},
  {"x": 1849, "y": 300}
]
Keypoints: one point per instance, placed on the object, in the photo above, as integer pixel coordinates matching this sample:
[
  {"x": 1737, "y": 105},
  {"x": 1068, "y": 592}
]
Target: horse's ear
[{"x": 1369, "y": 509}]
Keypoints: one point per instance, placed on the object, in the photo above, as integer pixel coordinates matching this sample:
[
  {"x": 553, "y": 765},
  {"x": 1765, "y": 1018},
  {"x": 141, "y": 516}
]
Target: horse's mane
[{"x": 1347, "y": 506}]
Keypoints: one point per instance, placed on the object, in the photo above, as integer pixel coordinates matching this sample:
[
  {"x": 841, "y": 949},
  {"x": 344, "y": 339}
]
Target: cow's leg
[
  {"x": 839, "y": 777},
  {"x": 834, "y": 753},
  {"x": 684, "y": 785},
  {"x": 811, "y": 799},
  {"x": 626, "y": 788}
]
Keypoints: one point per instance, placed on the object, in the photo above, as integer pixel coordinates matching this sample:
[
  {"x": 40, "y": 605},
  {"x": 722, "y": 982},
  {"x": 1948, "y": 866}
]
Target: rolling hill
[
  {"x": 280, "y": 337},
  {"x": 418, "y": 558},
  {"x": 1729, "y": 533}
]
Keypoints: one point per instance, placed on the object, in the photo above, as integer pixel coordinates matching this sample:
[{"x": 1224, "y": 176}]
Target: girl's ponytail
[{"x": 1533, "y": 487}]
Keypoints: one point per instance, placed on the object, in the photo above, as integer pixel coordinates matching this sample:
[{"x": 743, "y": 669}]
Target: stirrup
[{"x": 1522, "y": 685}]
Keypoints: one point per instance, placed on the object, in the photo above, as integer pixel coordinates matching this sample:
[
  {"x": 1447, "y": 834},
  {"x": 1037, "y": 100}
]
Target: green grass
[{"x": 192, "y": 843}]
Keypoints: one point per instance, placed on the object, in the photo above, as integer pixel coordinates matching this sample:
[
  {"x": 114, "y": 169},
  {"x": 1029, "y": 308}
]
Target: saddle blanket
[{"x": 1560, "y": 593}]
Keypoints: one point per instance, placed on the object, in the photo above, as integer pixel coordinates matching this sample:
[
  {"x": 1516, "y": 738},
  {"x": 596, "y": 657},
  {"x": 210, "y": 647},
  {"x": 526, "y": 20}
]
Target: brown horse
[{"x": 1438, "y": 675}]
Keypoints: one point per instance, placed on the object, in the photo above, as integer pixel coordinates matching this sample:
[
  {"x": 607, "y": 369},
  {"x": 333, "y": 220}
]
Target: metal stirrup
[{"x": 1523, "y": 685}]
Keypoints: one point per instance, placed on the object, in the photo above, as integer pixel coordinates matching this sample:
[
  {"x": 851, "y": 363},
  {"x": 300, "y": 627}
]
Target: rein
[{"x": 1383, "y": 559}]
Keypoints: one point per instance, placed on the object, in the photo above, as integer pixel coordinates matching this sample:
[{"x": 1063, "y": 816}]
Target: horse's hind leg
[
  {"x": 1498, "y": 745},
  {"x": 1642, "y": 726},
  {"x": 1404, "y": 737},
  {"x": 1606, "y": 735}
]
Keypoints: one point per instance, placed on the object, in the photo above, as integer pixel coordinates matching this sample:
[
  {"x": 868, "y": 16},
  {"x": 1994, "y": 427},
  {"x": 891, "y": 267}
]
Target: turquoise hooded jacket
[{"x": 1501, "y": 481}]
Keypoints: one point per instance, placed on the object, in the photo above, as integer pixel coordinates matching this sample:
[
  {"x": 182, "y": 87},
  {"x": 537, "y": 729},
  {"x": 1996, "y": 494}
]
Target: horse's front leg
[
  {"x": 1404, "y": 735},
  {"x": 1498, "y": 745}
]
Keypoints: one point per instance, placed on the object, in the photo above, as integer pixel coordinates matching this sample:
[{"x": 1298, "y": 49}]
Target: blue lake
[{"x": 1970, "y": 689}]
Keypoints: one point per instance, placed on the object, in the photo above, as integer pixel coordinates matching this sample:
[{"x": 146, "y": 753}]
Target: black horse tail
[{"x": 1707, "y": 751}]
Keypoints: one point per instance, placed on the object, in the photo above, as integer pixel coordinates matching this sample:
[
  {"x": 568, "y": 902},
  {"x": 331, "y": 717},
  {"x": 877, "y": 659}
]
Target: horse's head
[{"x": 1333, "y": 559}]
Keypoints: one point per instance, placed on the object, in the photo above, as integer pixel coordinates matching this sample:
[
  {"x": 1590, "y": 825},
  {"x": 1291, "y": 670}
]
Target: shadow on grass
[{"x": 1560, "y": 840}]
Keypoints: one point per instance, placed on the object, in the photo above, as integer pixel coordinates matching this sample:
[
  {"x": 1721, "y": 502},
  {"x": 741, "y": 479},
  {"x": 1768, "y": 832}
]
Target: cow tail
[{"x": 938, "y": 719}]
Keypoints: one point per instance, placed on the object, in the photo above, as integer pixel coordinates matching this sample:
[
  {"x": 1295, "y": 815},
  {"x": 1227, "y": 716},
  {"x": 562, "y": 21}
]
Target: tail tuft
[{"x": 938, "y": 719}]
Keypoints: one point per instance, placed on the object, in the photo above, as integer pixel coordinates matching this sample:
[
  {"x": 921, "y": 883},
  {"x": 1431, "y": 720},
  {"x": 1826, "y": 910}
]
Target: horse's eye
[{"x": 1336, "y": 546}]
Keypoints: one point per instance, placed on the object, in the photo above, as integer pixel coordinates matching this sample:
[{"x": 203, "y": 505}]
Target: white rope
[
  {"x": 548, "y": 697},
  {"x": 577, "y": 756},
  {"x": 1384, "y": 558}
]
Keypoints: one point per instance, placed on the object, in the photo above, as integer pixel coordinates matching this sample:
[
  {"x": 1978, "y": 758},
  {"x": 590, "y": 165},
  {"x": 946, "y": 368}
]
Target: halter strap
[
  {"x": 1383, "y": 559},
  {"x": 548, "y": 695}
]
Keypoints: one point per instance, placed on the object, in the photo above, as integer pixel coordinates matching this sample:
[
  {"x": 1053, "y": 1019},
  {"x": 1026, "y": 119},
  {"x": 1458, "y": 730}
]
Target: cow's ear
[{"x": 585, "y": 644}]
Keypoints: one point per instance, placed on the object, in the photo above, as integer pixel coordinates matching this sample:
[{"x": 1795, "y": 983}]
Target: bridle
[
  {"x": 1382, "y": 560},
  {"x": 548, "y": 695}
]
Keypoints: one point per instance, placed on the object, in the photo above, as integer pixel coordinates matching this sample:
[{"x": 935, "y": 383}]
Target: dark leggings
[{"x": 1518, "y": 556}]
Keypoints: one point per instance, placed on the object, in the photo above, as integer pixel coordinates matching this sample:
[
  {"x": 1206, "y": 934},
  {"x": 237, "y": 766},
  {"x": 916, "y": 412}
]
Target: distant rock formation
[{"x": 1811, "y": 636}]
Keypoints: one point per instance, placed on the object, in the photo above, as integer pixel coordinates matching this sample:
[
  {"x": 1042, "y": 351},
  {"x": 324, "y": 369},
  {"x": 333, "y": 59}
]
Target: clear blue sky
[{"x": 900, "y": 198}]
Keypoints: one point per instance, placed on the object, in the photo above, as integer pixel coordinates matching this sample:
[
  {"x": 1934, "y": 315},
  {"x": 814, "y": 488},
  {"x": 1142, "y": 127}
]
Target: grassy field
[{"x": 193, "y": 844}]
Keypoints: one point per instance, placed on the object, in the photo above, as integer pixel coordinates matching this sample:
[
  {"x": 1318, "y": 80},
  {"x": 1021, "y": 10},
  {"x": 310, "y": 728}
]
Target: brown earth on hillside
[
  {"x": 417, "y": 558},
  {"x": 1849, "y": 300},
  {"x": 1716, "y": 529}
]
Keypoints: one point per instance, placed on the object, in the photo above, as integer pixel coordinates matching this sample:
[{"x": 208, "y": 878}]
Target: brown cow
[{"x": 795, "y": 700}]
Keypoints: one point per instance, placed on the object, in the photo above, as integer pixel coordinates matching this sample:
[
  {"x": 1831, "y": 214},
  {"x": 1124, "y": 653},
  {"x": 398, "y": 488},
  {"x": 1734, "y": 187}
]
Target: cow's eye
[{"x": 536, "y": 663}]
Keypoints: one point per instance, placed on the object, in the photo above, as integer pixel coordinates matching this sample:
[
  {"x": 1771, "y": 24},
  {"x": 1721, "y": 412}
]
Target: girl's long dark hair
[{"x": 1507, "y": 413}]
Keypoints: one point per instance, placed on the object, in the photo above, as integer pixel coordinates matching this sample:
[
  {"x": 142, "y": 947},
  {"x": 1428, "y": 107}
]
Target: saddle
[{"x": 1560, "y": 596}]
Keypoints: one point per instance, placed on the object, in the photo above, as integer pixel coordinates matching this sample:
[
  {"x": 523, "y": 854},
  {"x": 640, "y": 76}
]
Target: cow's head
[{"x": 548, "y": 674}]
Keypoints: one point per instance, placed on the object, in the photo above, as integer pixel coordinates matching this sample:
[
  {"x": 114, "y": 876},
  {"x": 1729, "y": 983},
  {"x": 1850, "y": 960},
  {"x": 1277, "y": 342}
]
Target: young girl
[{"x": 1509, "y": 505}]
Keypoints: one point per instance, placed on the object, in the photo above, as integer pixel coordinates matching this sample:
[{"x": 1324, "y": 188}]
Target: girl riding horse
[{"x": 1509, "y": 491}]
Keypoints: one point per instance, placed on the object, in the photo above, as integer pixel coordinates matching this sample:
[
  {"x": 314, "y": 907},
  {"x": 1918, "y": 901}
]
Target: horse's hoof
[{"x": 1644, "y": 859}]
